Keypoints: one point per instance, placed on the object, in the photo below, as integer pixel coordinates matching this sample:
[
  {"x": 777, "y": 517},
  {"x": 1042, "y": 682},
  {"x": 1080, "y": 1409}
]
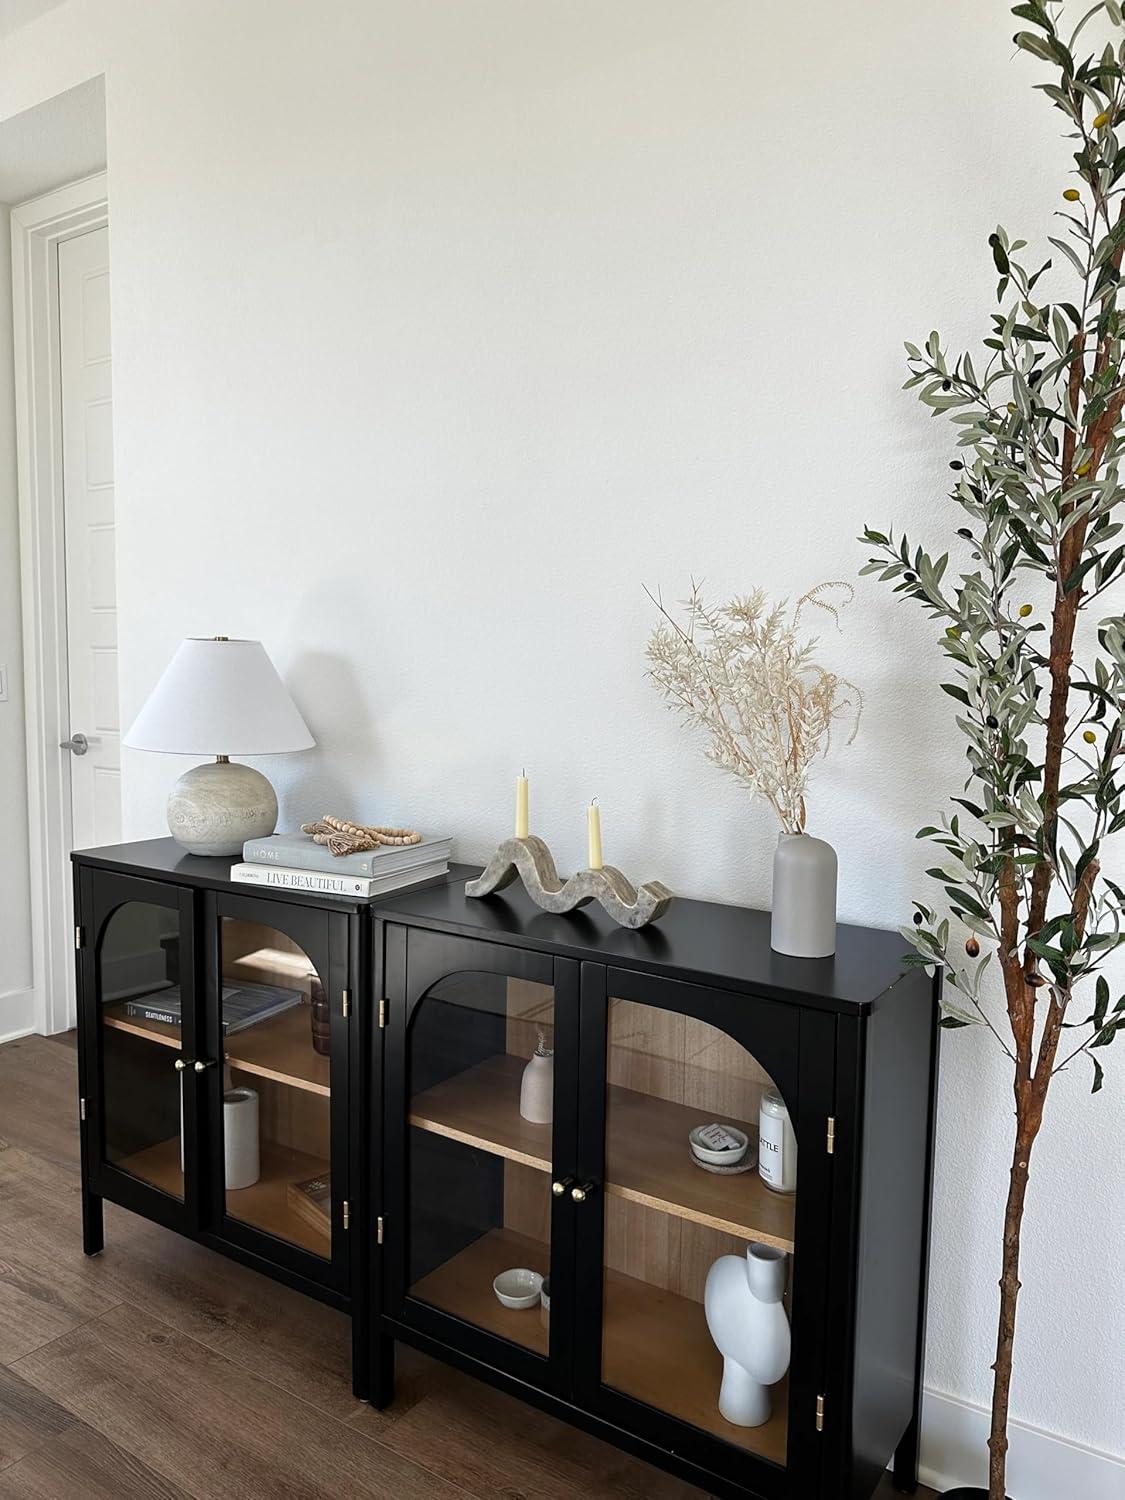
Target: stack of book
[
  {"x": 293, "y": 861},
  {"x": 243, "y": 1005}
]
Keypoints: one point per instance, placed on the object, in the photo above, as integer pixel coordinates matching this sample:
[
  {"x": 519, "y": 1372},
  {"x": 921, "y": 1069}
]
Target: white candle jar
[{"x": 777, "y": 1145}]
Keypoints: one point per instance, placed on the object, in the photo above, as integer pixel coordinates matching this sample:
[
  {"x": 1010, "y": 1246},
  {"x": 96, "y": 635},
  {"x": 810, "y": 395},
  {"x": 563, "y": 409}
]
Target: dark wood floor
[{"x": 162, "y": 1369}]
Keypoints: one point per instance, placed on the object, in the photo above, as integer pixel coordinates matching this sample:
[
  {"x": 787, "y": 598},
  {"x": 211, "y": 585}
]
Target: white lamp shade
[{"x": 220, "y": 697}]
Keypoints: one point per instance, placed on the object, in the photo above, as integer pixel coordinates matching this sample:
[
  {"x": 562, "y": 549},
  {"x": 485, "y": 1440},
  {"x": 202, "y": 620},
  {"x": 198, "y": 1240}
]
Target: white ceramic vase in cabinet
[
  {"x": 537, "y": 1086},
  {"x": 748, "y": 1324}
]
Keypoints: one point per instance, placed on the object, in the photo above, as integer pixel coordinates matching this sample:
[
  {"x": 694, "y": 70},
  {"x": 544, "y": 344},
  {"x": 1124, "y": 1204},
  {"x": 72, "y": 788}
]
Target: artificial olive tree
[{"x": 1027, "y": 917}]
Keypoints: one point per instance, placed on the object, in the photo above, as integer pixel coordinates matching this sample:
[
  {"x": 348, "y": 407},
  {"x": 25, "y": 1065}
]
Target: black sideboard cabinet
[{"x": 398, "y": 1177}]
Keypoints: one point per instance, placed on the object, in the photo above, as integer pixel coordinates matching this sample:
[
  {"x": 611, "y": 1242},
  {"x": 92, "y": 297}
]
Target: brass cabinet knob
[
  {"x": 181, "y": 1064},
  {"x": 200, "y": 1066},
  {"x": 559, "y": 1188},
  {"x": 582, "y": 1192}
]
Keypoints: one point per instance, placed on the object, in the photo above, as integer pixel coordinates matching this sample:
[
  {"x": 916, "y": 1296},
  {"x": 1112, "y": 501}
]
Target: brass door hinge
[
  {"x": 831, "y": 1135},
  {"x": 79, "y": 937},
  {"x": 82, "y": 1109},
  {"x": 347, "y": 1001},
  {"x": 382, "y": 1015},
  {"x": 379, "y": 1230},
  {"x": 820, "y": 1414},
  {"x": 347, "y": 1214}
]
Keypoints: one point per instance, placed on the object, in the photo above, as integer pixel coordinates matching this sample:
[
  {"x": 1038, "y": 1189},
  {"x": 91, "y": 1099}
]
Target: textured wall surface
[{"x": 440, "y": 329}]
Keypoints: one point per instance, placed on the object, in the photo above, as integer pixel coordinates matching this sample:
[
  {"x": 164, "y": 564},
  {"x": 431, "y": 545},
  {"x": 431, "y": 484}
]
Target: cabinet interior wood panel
[
  {"x": 289, "y": 1116},
  {"x": 680, "y": 1058},
  {"x": 256, "y": 953}
]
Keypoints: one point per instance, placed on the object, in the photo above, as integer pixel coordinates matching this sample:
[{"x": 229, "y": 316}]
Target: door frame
[
  {"x": 415, "y": 959},
  {"x": 323, "y": 937},
  {"x": 797, "y": 1046},
  {"x": 38, "y": 227},
  {"x": 102, "y": 893}
]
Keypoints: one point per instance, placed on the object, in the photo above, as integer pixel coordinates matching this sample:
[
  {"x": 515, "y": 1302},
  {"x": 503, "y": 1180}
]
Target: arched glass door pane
[
  {"x": 276, "y": 1117},
  {"x": 480, "y": 1076},
  {"x": 672, "y": 1215},
  {"x": 140, "y": 1016}
]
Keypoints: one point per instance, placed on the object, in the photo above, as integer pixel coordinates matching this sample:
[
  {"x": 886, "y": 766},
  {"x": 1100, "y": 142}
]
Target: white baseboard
[
  {"x": 18, "y": 1006},
  {"x": 1041, "y": 1465}
]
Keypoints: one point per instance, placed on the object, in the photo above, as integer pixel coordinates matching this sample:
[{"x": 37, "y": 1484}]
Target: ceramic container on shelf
[
  {"x": 537, "y": 1087},
  {"x": 803, "y": 919},
  {"x": 777, "y": 1144},
  {"x": 719, "y": 1145},
  {"x": 742, "y": 1301},
  {"x": 518, "y": 1288},
  {"x": 240, "y": 1138}
]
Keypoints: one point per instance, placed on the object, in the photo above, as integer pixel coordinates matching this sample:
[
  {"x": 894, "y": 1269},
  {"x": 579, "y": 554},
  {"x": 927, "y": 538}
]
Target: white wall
[
  {"x": 16, "y": 1005},
  {"x": 439, "y": 329}
]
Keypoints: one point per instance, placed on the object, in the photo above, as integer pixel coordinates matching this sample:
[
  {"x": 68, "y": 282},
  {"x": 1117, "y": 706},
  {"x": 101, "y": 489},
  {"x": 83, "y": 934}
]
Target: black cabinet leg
[
  {"x": 93, "y": 1232},
  {"x": 361, "y": 1352},
  {"x": 906, "y": 1461},
  {"x": 381, "y": 1390}
]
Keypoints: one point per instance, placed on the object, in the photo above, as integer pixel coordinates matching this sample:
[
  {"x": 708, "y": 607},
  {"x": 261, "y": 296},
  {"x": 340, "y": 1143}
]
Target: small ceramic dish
[
  {"x": 518, "y": 1288},
  {"x": 729, "y": 1158}
]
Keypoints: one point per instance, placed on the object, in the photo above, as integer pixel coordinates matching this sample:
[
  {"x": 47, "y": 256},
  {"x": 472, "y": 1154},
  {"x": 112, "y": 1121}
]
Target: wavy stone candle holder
[{"x": 530, "y": 860}]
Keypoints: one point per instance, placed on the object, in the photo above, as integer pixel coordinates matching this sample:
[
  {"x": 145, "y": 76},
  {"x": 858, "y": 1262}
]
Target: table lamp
[{"x": 220, "y": 697}]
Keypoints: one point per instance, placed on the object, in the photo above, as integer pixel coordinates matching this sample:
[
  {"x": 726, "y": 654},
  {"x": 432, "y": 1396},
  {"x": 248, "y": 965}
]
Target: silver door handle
[{"x": 78, "y": 743}]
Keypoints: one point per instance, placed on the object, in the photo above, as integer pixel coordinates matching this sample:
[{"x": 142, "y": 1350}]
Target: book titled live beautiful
[
  {"x": 322, "y": 883},
  {"x": 297, "y": 851}
]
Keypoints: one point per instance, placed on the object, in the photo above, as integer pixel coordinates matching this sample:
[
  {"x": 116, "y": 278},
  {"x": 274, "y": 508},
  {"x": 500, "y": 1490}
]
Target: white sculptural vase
[
  {"x": 537, "y": 1086},
  {"x": 748, "y": 1324}
]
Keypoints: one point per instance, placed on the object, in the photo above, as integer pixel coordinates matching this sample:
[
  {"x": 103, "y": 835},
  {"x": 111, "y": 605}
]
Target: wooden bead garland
[{"x": 339, "y": 836}]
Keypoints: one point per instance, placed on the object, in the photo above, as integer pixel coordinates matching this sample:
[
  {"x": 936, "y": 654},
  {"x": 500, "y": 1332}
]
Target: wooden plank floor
[{"x": 160, "y": 1369}]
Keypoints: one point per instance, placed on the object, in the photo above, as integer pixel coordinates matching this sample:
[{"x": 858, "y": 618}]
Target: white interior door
[{"x": 91, "y": 582}]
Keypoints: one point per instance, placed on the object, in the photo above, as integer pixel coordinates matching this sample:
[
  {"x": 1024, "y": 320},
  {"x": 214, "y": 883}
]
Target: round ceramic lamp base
[{"x": 215, "y": 808}]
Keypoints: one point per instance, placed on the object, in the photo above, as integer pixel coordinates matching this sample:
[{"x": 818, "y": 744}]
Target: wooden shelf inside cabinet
[
  {"x": 264, "y": 1206},
  {"x": 655, "y": 1346},
  {"x": 280, "y": 1048},
  {"x": 647, "y": 1152},
  {"x": 463, "y": 1286},
  {"x": 481, "y": 1107}
]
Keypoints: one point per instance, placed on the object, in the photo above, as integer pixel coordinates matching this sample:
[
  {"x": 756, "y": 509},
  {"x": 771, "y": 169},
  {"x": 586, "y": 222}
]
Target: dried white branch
[{"x": 741, "y": 673}]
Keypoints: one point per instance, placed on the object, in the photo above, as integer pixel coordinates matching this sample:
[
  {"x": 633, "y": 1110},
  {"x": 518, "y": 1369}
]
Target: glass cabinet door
[
  {"x": 484, "y": 1088},
  {"x": 697, "y": 1234},
  {"x": 282, "y": 1038},
  {"x": 142, "y": 1033}
]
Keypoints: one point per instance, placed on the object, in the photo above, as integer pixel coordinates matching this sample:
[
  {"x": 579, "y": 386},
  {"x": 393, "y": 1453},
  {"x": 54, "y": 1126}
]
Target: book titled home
[{"x": 297, "y": 851}]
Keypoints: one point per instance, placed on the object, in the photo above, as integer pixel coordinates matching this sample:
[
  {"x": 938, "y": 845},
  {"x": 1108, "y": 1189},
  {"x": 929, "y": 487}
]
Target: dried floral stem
[{"x": 741, "y": 673}]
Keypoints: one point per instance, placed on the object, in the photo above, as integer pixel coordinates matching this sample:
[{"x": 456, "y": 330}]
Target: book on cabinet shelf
[
  {"x": 243, "y": 1005},
  {"x": 311, "y": 1201}
]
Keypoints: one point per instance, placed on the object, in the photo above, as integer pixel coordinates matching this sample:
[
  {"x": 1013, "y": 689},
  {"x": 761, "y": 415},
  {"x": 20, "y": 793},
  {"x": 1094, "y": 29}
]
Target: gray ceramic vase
[{"x": 803, "y": 921}]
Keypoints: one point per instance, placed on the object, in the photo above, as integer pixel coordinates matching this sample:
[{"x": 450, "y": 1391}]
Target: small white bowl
[
  {"x": 729, "y": 1158},
  {"x": 518, "y": 1288}
]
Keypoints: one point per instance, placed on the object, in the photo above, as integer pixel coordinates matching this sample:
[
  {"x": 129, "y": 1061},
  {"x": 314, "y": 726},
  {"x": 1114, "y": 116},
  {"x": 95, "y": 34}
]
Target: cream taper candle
[
  {"x": 521, "y": 807},
  {"x": 594, "y": 837}
]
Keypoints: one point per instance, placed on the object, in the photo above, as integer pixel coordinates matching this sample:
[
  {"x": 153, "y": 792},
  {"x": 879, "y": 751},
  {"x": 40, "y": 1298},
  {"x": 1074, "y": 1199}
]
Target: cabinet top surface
[
  {"x": 163, "y": 859},
  {"x": 702, "y": 941}
]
